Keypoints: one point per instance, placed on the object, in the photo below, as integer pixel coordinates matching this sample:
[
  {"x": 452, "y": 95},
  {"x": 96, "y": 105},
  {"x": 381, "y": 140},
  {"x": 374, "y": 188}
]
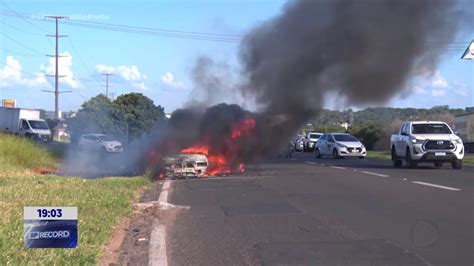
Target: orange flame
[{"x": 223, "y": 162}]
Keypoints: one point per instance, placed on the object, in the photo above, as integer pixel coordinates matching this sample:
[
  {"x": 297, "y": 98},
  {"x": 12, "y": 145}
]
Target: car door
[
  {"x": 90, "y": 142},
  {"x": 84, "y": 142},
  {"x": 400, "y": 142},
  {"x": 321, "y": 144},
  {"x": 95, "y": 143},
  {"x": 24, "y": 127},
  {"x": 330, "y": 144}
]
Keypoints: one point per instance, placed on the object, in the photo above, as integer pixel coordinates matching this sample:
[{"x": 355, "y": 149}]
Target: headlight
[
  {"x": 416, "y": 141},
  {"x": 458, "y": 141},
  {"x": 362, "y": 147}
]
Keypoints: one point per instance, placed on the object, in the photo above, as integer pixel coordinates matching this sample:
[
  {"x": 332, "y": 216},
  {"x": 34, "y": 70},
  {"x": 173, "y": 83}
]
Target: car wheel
[
  {"x": 457, "y": 164},
  {"x": 438, "y": 164},
  {"x": 335, "y": 155},
  {"x": 397, "y": 163},
  {"x": 361, "y": 157},
  {"x": 317, "y": 154},
  {"x": 410, "y": 162}
]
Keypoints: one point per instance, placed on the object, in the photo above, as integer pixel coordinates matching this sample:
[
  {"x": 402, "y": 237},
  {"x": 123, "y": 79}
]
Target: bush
[{"x": 368, "y": 134}]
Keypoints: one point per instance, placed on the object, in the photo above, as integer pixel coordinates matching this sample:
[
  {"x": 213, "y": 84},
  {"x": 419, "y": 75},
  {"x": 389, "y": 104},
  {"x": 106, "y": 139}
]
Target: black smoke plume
[{"x": 360, "y": 51}]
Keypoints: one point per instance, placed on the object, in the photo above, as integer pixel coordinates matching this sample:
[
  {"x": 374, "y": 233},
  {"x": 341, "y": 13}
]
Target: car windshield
[
  {"x": 430, "y": 129},
  {"x": 314, "y": 136},
  {"x": 105, "y": 138},
  {"x": 344, "y": 138},
  {"x": 38, "y": 124}
]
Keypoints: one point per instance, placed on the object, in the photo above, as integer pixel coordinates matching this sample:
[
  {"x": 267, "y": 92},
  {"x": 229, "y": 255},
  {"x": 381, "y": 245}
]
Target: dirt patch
[
  {"x": 111, "y": 250},
  {"x": 129, "y": 244},
  {"x": 135, "y": 247},
  {"x": 46, "y": 171}
]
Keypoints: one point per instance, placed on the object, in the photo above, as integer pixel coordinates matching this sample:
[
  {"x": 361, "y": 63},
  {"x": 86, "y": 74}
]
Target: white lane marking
[
  {"x": 157, "y": 247},
  {"x": 338, "y": 167},
  {"x": 404, "y": 179},
  {"x": 308, "y": 162},
  {"x": 437, "y": 186},
  {"x": 163, "y": 198},
  {"x": 166, "y": 185},
  {"x": 376, "y": 174}
]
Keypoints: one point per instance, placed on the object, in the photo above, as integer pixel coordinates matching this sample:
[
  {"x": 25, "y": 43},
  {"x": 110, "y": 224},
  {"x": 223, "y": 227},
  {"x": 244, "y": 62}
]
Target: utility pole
[
  {"x": 107, "y": 83},
  {"x": 56, "y": 75}
]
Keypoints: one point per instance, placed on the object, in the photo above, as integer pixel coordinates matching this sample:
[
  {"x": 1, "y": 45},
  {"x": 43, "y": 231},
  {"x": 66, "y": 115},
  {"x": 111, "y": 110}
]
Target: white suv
[
  {"x": 99, "y": 142},
  {"x": 426, "y": 141}
]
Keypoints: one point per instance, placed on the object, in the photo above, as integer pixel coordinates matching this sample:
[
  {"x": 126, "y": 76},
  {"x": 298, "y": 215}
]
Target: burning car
[{"x": 185, "y": 165}]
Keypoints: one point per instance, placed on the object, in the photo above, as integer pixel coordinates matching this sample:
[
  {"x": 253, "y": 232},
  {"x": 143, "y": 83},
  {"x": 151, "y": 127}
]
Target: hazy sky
[{"x": 159, "y": 66}]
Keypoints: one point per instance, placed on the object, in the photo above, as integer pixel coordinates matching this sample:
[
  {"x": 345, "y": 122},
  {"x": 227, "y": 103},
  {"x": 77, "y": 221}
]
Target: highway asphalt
[{"x": 309, "y": 211}]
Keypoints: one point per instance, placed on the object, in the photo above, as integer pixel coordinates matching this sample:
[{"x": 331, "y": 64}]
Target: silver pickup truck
[{"x": 426, "y": 141}]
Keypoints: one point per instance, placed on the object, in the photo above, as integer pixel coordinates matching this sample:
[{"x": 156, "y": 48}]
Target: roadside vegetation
[
  {"x": 19, "y": 156},
  {"x": 468, "y": 158},
  {"x": 101, "y": 204},
  {"x": 374, "y": 126}
]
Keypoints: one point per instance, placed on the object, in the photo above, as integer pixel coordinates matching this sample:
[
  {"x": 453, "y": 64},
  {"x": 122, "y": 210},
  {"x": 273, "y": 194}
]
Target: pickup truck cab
[
  {"x": 426, "y": 141},
  {"x": 310, "y": 141}
]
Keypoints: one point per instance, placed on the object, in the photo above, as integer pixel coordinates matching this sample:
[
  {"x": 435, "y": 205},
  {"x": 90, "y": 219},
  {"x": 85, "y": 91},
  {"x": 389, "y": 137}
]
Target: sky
[{"x": 159, "y": 66}]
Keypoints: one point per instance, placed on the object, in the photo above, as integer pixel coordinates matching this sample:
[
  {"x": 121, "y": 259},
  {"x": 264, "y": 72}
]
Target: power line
[
  {"x": 142, "y": 30},
  {"x": 21, "y": 44},
  {"x": 18, "y": 29},
  {"x": 18, "y": 53},
  {"x": 24, "y": 19},
  {"x": 189, "y": 35},
  {"x": 157, "y": 29},
  {"x": 154, "y": 33},
  {"x": 82, "y": 61},
  {"x": 160, "y": 30},
  {"x": 24, "y": 72}
]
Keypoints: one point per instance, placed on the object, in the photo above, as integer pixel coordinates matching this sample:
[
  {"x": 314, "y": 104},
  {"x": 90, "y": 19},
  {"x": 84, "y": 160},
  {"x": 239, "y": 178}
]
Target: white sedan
[
  {"x": 339, "y": 145},
  {"x": 99, "y": 142}
]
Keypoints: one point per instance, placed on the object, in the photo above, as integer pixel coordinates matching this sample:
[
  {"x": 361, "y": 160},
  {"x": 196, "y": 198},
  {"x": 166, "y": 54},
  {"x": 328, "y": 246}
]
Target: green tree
[
  {"x": 368, "y": 133},
  {"x": 97, "y": 115},
  {"x": 138, "y": 114},
  {"x": 42, "y": 113}
]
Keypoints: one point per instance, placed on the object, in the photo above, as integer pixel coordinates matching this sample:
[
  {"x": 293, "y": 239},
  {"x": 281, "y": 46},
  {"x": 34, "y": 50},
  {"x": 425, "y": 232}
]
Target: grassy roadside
[
  {"x": 19, "y": 156},
  {"x": 468, "y": 158},
  {"x": 101, "y": 204}
]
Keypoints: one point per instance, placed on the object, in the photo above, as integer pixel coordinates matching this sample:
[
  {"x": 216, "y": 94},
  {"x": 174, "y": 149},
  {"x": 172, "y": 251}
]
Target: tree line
[{"x": 374, "y": 126}]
